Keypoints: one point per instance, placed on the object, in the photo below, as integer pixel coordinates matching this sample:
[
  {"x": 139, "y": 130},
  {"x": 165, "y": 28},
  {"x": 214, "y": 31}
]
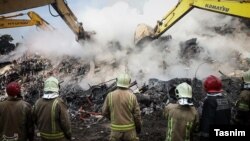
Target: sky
[
  {"x": 56, "y": 22},
  {"x": 79, "y": 7}
]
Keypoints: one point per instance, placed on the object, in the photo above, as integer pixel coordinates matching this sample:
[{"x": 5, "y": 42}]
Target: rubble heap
[{"x": 85, "y": 104}]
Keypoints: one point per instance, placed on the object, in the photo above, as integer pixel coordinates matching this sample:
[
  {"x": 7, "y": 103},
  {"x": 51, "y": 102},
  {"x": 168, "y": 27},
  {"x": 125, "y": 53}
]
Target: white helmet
[
  {"x": 123, "y": 80},
  {"x": 184, "y": 94},
  {"x": 51, "y": 84}
]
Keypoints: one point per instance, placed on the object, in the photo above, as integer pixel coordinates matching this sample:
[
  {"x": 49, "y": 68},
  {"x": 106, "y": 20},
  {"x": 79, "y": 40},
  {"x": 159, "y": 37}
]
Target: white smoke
[
  {"x": 117, "y": 22},
  {"x": 220, "y": 47}
]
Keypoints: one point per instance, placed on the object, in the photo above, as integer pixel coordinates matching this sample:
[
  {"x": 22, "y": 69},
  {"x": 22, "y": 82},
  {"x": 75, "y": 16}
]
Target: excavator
[
  {"x": 238, "y": 8},
  {"x": 35, "y": 19},
  {"x": 60, "y": 6}
]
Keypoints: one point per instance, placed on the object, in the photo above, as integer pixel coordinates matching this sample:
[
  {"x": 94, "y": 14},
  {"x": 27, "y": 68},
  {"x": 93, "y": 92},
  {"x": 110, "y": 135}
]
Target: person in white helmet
[
  {"x": 122, "y": 108},
  {"x": 51, "y": 115},
  {"x": 182, "y": 117}
]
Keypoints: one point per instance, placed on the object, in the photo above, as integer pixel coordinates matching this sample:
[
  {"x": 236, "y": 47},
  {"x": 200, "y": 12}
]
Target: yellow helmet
[
  {"x": 246, "y": 76},
  {"x": 51, "y": 84},
  {"x": 123, "y": 80},
  {"x": 183, "y": 90}
]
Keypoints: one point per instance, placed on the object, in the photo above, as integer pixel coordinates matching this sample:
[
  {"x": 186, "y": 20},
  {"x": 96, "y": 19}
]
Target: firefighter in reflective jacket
[
  {"x": 51, "y": 114},
  {"x": 15, "y": 116},
  {"x": 182, "y": 117},
  {"x": 216, "y": 109},
  {"x": 242, "y": 106},
  {"x": 122, "y": 108}
]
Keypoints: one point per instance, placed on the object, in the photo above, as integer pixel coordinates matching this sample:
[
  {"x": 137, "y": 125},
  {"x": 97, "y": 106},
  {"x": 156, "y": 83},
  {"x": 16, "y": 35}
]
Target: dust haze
[{"x": 111, "y": 51}]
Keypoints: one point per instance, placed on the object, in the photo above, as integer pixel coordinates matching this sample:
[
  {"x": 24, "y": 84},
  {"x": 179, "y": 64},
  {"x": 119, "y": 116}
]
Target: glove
[
  {"x": 68, "y": 136},
  {"x": 138, "y": 125},
  {"x": 138, "y": 130}
]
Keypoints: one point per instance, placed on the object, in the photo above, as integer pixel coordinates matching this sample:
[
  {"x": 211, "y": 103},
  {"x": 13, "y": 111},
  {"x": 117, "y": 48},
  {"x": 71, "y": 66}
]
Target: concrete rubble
[
  {"x": 30, "y": 71},
  {"x": 85, "y": 103}
]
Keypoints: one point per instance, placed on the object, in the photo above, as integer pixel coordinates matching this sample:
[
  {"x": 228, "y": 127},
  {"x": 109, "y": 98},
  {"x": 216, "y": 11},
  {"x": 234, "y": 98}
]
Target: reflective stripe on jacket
[
  {"x": 244, "y": 101},
  {"x": 52, "y": 118},
  {"x": 182, "y": 122},
  {"x": 242, "y": 107},
  {"x": 122, "y": 108},
  {"x": 52, "y": 136}
]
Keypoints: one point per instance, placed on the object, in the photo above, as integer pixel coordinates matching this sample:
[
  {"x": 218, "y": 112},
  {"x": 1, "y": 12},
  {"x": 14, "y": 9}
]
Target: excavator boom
[
  {"x": 8, "y": 6},
  {"x": 9, "y": 23},
  {"x": 35, "y": 19},
  {"x": 239, "y": 8}
]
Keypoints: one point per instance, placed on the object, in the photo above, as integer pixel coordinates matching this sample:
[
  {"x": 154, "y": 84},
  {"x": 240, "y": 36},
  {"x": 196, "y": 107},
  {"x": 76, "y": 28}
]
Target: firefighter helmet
[
  {"x": 246, "y": 76},
  {"x": 123, "y": 80},
  {"x": 212, "y": 84},
  {"x": 51, "y": 85},
  {"x": 13, "y": 89},
  {"x": 183, "y": 90}
]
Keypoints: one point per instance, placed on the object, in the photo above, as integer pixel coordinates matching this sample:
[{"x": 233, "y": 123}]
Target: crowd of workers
[{"x": 50, "y": 116}]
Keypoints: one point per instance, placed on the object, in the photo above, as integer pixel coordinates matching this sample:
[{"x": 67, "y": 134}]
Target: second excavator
[
  {"x": 60, "y": 6},
  {"x": 238, "y": 8},
  {"x": 35, "y": 19}
]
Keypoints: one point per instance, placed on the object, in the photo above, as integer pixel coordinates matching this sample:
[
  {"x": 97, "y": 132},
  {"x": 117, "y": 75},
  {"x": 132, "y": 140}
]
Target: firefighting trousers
[{"x": 124, "y": 135}]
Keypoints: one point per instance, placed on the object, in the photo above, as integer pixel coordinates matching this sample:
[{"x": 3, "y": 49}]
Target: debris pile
[
  {"x": 190, "y": 49},
  {"x": 85, "y": 103},
  {"x": 31, "y": 70},
  {"x": 225, "y": 29},
  {"x": 71, "y": 66}
]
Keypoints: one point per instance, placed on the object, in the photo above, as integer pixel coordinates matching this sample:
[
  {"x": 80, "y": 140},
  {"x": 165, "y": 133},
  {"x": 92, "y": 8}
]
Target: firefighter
[
  {"x": 216, "y": 109},
  {"x": 51, "y": 114},
  {"x": 122, "y": 108},
  {"x": 242, "y": 106},
  {"x": 15, "y": 116},
  {"x": 182, "y": 117}
]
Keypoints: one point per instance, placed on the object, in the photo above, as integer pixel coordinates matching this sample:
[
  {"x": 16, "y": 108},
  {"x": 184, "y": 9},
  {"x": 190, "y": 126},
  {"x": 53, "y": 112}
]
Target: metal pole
[{"x": 208, "y": 61}]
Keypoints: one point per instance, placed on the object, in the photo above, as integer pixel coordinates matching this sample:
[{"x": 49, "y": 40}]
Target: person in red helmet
[
  {"x": 15, "y": 116},
  {"x": 216, "y": 109}
]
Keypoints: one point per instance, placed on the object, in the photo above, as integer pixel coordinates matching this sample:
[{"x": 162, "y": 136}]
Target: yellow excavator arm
[
  {"x": 60, "y": 6},
  {"x": 239, "y": 8},
  {"x": 35, "y": 19}
]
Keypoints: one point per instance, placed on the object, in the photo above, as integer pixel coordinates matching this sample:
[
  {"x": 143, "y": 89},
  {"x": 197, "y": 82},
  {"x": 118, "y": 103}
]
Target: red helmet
[
  {"x": 13, "y": 89},
  {"x": 213, "y": 84}
]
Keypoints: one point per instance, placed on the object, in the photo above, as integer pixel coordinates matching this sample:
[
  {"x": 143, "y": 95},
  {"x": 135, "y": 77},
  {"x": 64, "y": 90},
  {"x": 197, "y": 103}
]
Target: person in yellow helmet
[
  {"x": 122, "y": 108},
  {"x": 182, "y": 117},
  {"x": 51, "y": 115},
  {"x": 242, "y": 106}
]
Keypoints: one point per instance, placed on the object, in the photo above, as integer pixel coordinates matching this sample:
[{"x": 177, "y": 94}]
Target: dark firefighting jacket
[
  {"x": 15, "y": 120},
  {"x": 52, "y": 119},
  {"x": 182, "y": 122},
  {"x": 122, "y": 108},
  {"x": 216, "y": 110}
]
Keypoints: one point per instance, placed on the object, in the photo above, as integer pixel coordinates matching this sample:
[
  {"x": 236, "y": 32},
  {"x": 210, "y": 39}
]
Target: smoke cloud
[{"x": 112, "y": 51}]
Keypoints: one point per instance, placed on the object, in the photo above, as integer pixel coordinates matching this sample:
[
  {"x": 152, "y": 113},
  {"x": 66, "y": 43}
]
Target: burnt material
[{"x": 190, "y": 49}]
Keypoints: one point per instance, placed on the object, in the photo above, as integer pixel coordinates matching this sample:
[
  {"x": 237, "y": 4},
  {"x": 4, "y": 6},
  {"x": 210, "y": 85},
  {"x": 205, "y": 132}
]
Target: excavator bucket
[{"x": 143, "y": 33}]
